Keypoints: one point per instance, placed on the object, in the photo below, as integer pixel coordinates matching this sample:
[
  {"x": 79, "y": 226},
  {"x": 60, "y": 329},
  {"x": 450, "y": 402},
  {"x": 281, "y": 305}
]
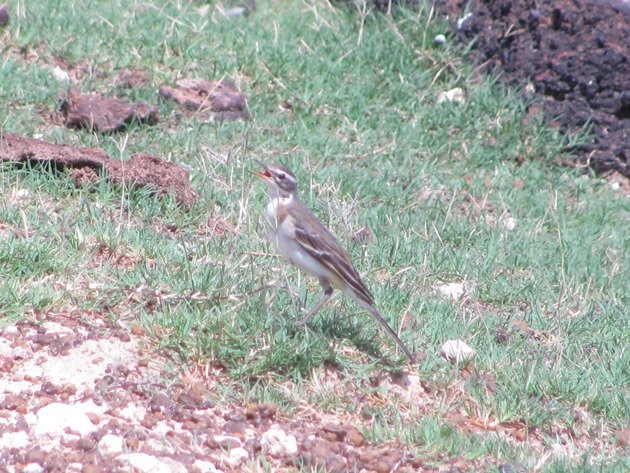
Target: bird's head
[{"x": 279, "y": 179}]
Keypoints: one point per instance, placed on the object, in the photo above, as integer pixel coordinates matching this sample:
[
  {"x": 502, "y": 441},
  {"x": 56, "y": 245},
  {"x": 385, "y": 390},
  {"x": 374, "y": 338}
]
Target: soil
[
  {"x": 104, "y": 114},
  {"x": 222, "y": 98},
  {"x": 575, "y": 53},
  {"x": 141, "y": 170}
]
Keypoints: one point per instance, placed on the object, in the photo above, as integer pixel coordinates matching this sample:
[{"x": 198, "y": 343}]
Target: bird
[{"x": 305, "y": 242}]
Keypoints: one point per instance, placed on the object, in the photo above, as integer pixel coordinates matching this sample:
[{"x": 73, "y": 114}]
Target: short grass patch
[{"x": 448, "y": 193}]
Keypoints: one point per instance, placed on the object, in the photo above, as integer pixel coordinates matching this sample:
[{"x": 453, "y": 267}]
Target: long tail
[{"x": 376, "y": 314}]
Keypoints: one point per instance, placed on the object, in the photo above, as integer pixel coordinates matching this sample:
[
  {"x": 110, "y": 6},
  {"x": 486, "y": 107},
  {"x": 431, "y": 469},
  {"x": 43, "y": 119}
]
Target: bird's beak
[{"x": 265, "y": 176}]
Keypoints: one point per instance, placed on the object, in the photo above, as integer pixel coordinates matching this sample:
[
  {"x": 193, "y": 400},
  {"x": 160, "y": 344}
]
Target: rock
[
  {"x": 224, "y": 441},
  {"x": 453, "y": 290},
  {"x": 205, "y": 466},
  {"x": 111, "y": 444},
  {"x": 455, "y": 95},
  {"x": 74, "y": 468},
  {"x": 457, "y": 351},
  {"x": 61, "y": 75},
  {"x": 509, "y": 223},
  {"x": 55, "y": 418},
  {"x": 33, "y": 468},
  {"x": 277, "y": 443},
  {"x": 439, "y": 39},
  {"x": 236, "y": 457},
  {"x": 623, "y": 437},
  {"x": 143, "y": 463},
  {"x": 18, "y": 440}
]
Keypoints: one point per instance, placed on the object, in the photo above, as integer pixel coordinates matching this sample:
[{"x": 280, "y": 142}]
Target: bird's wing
[{"x": 322, "y": 245}]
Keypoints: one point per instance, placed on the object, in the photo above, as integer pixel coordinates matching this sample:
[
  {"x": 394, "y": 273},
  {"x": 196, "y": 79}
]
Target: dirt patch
[
  {"x": 576, "y": 53},
  {"x": 80, "y": 392},
  {"x": 141, "y": 170},
  {"x": 222, "y": 98},
  {"x": 131, "y": 79},
  {"x": 104, "y": 114}
]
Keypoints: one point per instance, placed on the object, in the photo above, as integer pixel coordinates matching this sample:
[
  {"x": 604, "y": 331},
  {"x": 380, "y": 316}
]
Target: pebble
[
  {"x": 457, "y": 351},
  {"x": 61, "y": 75},
  {"x": 143, "y": 463},
  {"x": 18, "y": 440},
  {"x": 277, "y": 443},
  {"x": 33, "y": 468},
  {"x": 439, "y": 39},
  {"x": 55, "y": 418},
  {"x": 111, "y": 444}
]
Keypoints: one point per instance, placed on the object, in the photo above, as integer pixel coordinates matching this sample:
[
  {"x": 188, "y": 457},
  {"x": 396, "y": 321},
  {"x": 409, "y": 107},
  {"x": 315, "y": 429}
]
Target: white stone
[
  {"x": 509, "y": 223},
  {"x": 206, "y": 466},
  {"x": 133, "y": 413},
  {"x": 61, "y": 75},
  {"x": 143, "y": 463},
  {"x": 457, "y": 351},
  {"x": 439, "y": 39},
  {"x": 111, "y": 444},
  {"x": 226, "y": 441},
  {"x": 455, "y": 95},
  {"x": 55, "y": 418},
  {"x": 452, "y": 290},
  {"x": 74, "y": 468},
  {"x": 174, "y": 465},
  {"x": 277, "y": 443},
  {"x": 237, "y": 456},
  {"x": 11, "y": 440},
  {"x": 33, "y": 468}
]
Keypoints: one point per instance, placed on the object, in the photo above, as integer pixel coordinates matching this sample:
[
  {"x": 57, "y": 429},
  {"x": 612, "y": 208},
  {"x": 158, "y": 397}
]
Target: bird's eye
[{"x": 281, "y": 176}]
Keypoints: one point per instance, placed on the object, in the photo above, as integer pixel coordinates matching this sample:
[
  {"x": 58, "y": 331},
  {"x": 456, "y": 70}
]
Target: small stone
[
  {"x": 509, "y": 223},
  {"x": 455, "y": 95},
  {"x": 143, "y": 463},
  {"x": 111, "y": 444},
  {"x": 457, "y": 351},
  {"x": 205, "y": 466},
  {"x": 453, "y": 290},
  {"x": 17, "y": 440},
  {"x": 354, "y": 437},
  {"x": 236, "y": 457},
  {"x": 501, "y": 336},
  {"x": 33, "y": 468},
  {"x": 74, "y": 468},
  {"x": 382, "y": 467},
  {"x": 277, "y": 443},
  {"x": 439, "y": 39},
  {"x": 223, "y": 441},
  {"x": 623, "y": 437},
  {"x": 55, "y": 418},
  {"x": 61, "y": 75},
  {"x": 137, "y": 330}
]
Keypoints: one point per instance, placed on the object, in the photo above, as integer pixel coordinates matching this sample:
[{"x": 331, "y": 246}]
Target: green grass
[{"x": 434, "y": 184}]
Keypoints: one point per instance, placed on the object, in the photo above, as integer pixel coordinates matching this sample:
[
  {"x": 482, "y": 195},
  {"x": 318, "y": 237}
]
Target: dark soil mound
[{"x": 576, "y": 53}]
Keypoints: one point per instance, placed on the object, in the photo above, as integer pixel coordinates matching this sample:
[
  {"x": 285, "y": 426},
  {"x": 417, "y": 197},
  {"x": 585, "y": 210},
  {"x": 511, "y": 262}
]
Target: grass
[{"x": 349, "y": 103}]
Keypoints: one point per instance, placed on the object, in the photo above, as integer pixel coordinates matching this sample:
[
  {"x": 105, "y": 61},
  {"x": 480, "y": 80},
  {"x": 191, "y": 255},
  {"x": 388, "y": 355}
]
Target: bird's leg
[{"x": 328, "y": 292}]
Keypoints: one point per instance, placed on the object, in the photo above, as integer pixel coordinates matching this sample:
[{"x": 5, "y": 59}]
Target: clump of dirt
[
  {"x": 131, "y": 79},
  {"x": 222, "y": 98},
  {"x": 103, "y": 114},
  {"x": 141, "y": 170},
  {"x": 576, "y": 53}
]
